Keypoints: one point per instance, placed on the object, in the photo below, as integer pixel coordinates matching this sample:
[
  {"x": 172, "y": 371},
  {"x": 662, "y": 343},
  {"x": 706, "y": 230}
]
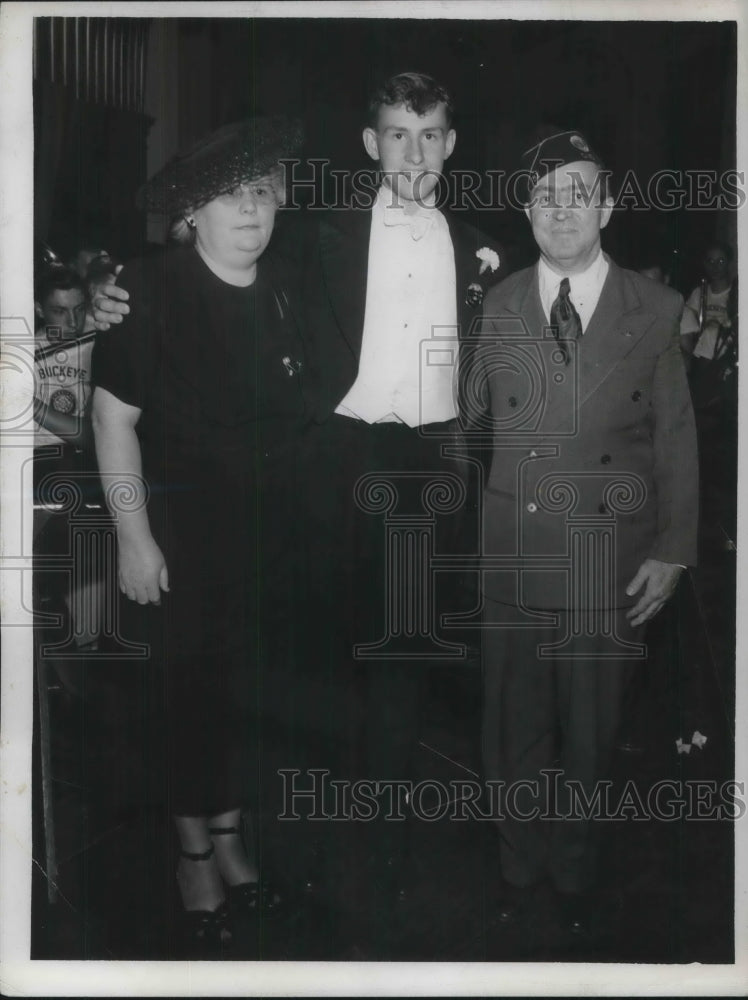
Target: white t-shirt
[
  {"x": 715, "y": 316},
  {"x": 689, "y": 322},
  {"x": 62, "y": 370}
]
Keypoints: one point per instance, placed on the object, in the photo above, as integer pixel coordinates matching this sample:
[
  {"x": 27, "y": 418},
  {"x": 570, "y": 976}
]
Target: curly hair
[{"x": 418, "y": 92}]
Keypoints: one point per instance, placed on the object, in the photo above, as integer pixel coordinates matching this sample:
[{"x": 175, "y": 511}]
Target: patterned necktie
[{"x": 565, "y": 319}]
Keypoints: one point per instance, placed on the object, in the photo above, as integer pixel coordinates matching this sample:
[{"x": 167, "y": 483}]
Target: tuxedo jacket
[
  {"x": 594, "y": 462},
  {"x": 333, "y": 265}
]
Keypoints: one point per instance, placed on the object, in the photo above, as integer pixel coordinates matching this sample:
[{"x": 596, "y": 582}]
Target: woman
[{"x": 198, "y": 392}]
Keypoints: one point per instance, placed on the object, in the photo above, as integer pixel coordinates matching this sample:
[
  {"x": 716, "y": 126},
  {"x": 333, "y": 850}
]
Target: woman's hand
[{"x": 142, "y": 570}]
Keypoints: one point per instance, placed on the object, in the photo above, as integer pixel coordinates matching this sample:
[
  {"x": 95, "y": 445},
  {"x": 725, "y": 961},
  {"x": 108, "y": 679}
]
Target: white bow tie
[{"x": 417, "y": 218}]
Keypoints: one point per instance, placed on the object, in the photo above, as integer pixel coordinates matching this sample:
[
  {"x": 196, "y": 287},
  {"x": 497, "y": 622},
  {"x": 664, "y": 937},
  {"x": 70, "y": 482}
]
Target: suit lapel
[
  {"x": 464, "y": 244},
  {"x": 344, "y": 254},
  {"x": 525, "y": 302},
  {"x": 616, "y": 326}
]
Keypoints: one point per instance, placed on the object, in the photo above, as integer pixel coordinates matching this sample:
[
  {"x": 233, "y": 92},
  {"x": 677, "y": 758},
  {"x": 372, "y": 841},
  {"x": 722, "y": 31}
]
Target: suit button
[
  {"x": 602, "y": 509},
  {"x": 512, "y": 401},
  {"x": 636, "y": 395},
  {"x": 532, "y": 507},
  {"x": 605, "y": 459}
]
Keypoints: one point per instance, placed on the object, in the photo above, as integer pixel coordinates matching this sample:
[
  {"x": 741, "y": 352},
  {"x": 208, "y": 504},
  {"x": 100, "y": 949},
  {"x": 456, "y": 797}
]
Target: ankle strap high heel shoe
[
  {"x": 253, "y": 898},
  {"x": 206, "y": 930}
]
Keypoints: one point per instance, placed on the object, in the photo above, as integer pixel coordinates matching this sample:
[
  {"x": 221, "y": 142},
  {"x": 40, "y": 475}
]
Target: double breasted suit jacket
[
  {"x": 335, "y": 268},
  {"x": 594, "y": 464}
]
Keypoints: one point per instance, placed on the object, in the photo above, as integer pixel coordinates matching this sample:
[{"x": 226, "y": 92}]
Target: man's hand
[
  {"x": 110, "y": 304},
  {"x": 661, "y": 579},
  {"x": 142, "y": 571}
]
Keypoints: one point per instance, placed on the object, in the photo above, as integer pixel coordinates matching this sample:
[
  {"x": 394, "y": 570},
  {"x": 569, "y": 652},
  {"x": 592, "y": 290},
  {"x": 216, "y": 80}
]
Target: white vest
[{"x": 408, "y": 366}]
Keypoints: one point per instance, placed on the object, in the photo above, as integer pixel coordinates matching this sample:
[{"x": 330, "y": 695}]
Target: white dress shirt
[
  {"x": 584, "y": 288},
  {"x": 408, "y": 366}
]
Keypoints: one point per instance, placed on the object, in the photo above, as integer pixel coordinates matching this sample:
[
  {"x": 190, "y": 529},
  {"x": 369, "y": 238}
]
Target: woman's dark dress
[{"x": 214, "y": 369}]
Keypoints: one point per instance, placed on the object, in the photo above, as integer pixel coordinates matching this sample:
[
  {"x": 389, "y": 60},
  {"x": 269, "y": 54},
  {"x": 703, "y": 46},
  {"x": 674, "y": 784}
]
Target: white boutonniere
[{"x": 488, "y": 258}]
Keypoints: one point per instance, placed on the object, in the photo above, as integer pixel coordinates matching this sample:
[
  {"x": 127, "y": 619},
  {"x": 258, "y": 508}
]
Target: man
[
  {"x": 383, "y": 282},
  {"x": 591, "y": 503}
]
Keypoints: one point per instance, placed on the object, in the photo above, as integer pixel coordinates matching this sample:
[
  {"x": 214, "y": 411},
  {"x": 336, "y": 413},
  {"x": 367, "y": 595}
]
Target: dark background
[{"x": 649, "y": 96}]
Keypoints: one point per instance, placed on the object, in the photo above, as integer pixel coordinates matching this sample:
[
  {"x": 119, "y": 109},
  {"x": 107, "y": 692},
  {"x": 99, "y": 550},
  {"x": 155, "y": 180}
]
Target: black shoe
[
  {"x": 385, "y": 872},
  {"x": 576, "y": 913},
  {"x": 256, "y": 897},
  {"x": 386, "y": 854},
  {"x": 512, "y": 902},
  {"x": 251, "y": 898},
  {"x": 394, "y": 875},
  {"x": 207, "y": 933}
]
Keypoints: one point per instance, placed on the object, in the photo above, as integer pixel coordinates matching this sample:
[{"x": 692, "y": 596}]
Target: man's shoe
[
  {"x": 508, "y": 912},
  {"x": 511, "y": 902},
  {"x": 388, "y": 877},
  {"x": 576, "y": 914}
]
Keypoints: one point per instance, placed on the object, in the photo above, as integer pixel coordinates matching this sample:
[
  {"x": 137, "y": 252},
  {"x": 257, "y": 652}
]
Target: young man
[
  {"x": 382, "y": 285},
  {"x": 594, "y": 510}
]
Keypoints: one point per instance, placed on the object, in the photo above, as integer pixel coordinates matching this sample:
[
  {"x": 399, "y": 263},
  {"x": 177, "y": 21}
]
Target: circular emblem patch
[
  {"x": 63, "y": 401},
  {"x": 578, "y": 143}
]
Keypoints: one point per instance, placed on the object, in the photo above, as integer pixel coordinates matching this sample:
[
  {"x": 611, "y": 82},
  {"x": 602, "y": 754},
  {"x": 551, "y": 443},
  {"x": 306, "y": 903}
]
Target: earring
[{"x": 190, "y": 220}]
